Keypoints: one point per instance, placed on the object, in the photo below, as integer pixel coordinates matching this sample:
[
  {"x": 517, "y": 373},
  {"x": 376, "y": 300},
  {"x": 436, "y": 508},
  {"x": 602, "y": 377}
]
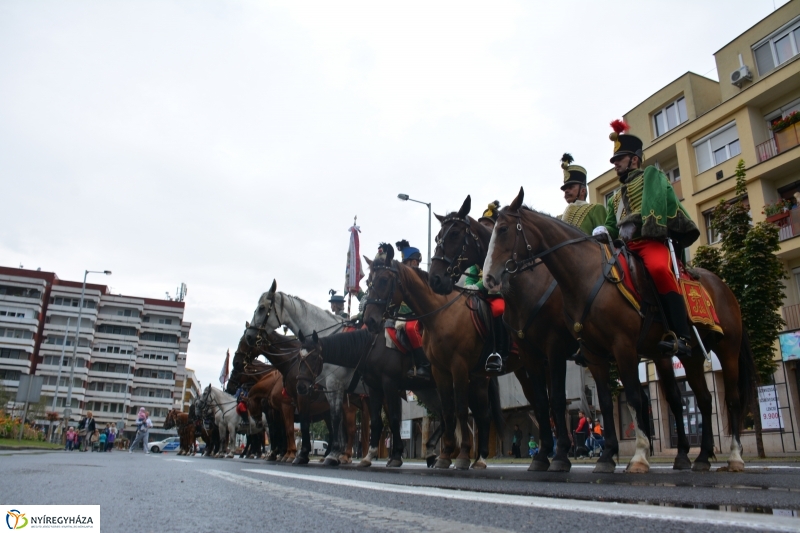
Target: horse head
[
  {"x": 265, "y": 318},
  {"x": 384, "y": 294},
  {"x": 310, "y": 363},
  {"x": 505, "y": 246},
  {"x": 458, "y": 247}
]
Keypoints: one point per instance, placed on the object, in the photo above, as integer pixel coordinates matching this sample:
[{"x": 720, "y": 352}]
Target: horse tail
[
  {"x": 748, "y": 378},
  {"x": 495, "y": 406}
]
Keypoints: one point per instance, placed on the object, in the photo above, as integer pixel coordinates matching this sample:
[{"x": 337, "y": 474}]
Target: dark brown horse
[
  {"x": 180, "y": 421},
  {"x": 608, "y": 324},
  {"x": 451, "y": 343}
]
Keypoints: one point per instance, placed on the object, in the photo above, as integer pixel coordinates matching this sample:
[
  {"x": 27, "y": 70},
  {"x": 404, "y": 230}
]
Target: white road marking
[
  {"x": 646, "y": 512},
  {"x": 374, "y": 516},
  {"x": 181, "y": 460}
]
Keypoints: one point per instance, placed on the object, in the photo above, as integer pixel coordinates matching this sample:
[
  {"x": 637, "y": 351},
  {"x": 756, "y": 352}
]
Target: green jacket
[
  {"x": 584, "y": 216},
  {"x": 655, "y": 209}
]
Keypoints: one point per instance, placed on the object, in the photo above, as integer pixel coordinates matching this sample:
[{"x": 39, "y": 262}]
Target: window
[
  {"x": 160, "y": 337},
  {"x": 117, "y": 330},
  {"x": 10, "y": 375},
  {"x": 54, "y": 359},
  {"x": 670, "y": 117},
  {"x": 15, "y": 333},
  {"x": 6, "y": 353},
  {"x": 20, "y": 292},
  {"x": 777, "y": 49},
  {"x": 125, "y": 312},
  {"x": 718, "y": 147},
  {"x": 153, "y": 374},
  {"x": 119, "y": 368},
  {"x": 167, "y": 321},
  {"x": 608, "y": 198},
  {"x": 712, "y": 235},
  {"x": 673, "y": 175}
]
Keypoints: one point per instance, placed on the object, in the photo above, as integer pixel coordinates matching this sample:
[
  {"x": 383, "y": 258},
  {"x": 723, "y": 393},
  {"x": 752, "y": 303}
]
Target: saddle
[
  {"x": 401, "y": 340},
  {"x": 487, "y": 317},
  {"x": 632, "y": 280}
]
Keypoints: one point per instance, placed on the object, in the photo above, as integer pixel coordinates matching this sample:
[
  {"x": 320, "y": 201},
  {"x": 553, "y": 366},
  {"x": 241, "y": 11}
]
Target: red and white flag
[
  {"x": 354, "y": 272},
  {"x": 223, "y": 375}
]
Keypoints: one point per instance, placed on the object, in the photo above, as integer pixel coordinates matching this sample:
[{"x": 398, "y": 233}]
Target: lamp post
[
  {"x": 58, "y": 376},
  {"x": 405, "y": 198},
  {"x": 68, "y": 407}
]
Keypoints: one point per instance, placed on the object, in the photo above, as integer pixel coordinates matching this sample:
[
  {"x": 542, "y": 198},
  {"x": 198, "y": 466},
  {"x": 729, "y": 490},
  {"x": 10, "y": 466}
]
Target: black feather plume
[
  {"x": 567, "y": 158},
  {"x": 402, "y": 245}
]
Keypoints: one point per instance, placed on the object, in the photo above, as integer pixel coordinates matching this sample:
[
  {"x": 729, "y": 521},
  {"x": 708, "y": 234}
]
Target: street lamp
[
  {"x": 68, "y": 407},
  {"x": 405, "y": 198},
  {"x": 58, "y": 376}
]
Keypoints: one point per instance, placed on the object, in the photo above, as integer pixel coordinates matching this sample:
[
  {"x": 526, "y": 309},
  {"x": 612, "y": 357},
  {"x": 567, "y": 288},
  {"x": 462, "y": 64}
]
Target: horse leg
[
  {"x": 558, "y": 393},
  {"x": 432, "y": 401},
  {"x": 288, "y": 424},
  {"x": 478, "y": 395},
  {"x": 600, "y": 372},
  {"x": 305, "y": 435},
  {"x": 349, "y": 421},
  {"x": 695, "y": 375},
  {"x": 444, "y": 382},
  {"x": 376, "y": 426},
  {"x": 629, "y": 374},
  {"x": 461, "y": 396},
  {"x": 334, "y": 447},
  {"x": 394, "y": 404},
  {"x": 669, "y": 386}
]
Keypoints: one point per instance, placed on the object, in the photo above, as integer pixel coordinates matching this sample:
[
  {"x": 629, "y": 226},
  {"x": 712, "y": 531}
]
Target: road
[{"x": 164, "y": 492}]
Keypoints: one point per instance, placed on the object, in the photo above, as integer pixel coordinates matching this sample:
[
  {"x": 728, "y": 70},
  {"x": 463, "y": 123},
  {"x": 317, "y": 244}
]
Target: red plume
[{"x": 620, "y": 126}]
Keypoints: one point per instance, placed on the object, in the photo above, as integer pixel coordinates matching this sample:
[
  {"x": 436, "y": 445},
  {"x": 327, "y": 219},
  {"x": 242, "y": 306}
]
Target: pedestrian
[
  {"x": 533, "y": 448},
  {"x": 516, "y": 441},
  {"x": 112, "y": 436},
  {"x": 86, "y": 429},
  {"x": 142, "y": 433},
  {"x": 101, "y": 441},
  {"x": 69, "y": 440},
  {"x": 581, "y": 434},
  {"x": 75, "y": 441},
  {"x": 598, "y": 429},
  {"x": 94, "y": 439}
]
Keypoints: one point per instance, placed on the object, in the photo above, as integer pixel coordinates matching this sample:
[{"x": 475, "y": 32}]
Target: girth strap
[{"x": 535, "y": 311}]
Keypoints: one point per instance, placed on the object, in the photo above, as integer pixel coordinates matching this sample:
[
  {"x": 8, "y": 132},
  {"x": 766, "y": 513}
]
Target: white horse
[
  {"x": 276, "y": 309},
  {"x": 223, "y": 406}
]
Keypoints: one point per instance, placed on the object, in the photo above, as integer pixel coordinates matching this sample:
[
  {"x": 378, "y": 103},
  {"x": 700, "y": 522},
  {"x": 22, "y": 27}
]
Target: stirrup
[
  {"x": 674, "y": 346},
  {"x": 494, "y": 363}
]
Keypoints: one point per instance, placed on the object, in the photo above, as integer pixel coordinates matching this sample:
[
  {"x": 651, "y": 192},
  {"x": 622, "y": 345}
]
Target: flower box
[
  {"x": 786, "y": 138},
  {"x": 778, "y": 217}
]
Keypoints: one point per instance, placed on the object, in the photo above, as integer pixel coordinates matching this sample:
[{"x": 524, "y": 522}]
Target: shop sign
[
  {"x": 790, "y": 345},
  {"x": 405, "y": 429},
  {"x": 770, "y": 409}
]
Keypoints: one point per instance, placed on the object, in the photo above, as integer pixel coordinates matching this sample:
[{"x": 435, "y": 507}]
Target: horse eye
[
  {"x": 502, "y": 229},
  {"x": 261, "y": 308}
]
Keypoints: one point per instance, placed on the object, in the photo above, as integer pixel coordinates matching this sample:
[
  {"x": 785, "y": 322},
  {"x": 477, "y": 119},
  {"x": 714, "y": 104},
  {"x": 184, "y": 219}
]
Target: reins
[{"x": 454, "y": 270}]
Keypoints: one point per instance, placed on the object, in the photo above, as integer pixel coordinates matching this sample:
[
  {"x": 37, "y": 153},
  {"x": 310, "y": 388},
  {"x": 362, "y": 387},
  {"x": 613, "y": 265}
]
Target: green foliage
[
  {"x": 746, "y": 261},
  {"x": 319, "y": 431}
]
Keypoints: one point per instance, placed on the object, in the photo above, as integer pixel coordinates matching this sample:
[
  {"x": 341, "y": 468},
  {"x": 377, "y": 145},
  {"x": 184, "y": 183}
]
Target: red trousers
[
  {"x": 658, "y": 263},
  {"x": 413, "y": 333}
]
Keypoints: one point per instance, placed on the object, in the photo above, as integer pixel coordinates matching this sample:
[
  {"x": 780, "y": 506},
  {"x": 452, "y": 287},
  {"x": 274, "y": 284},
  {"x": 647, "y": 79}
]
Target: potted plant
[
  {"x": 785, "y": 131},
  {"x": 777, "y": 211}
]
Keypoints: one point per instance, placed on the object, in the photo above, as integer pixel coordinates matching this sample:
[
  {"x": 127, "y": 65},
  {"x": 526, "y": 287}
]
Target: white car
[{"x": 166, "y": 445}]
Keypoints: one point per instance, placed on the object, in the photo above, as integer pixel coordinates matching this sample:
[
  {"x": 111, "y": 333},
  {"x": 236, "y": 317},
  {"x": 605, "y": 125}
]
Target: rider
[
  {"x": 337, "y": 304},
  {"x": 241, "y": 404},
  {"x": 422, "y": 367},
  {"x": 579, "y": 212},
  {"x": 644, "y": 213}
]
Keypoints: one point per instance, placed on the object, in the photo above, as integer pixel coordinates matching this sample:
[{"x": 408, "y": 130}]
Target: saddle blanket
[
  {"x": 413, "y": 335},
  {"x": 699, "y": 306}
]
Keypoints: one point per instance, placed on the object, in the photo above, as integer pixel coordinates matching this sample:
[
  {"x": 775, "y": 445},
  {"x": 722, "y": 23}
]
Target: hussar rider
[
  {"x": 422, "y": 367},
  {"x": 644, "y": 213},
  {"x": 579, "y": 212},
  {"x": 337, "y": 304}
]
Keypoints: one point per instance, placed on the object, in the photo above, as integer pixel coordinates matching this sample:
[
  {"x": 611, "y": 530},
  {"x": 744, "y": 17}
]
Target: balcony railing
[
  {"x": 782, "y": 140},
  {"x": 791, "y": 314},
  {"x": 788, "y": 223},
  {"x": 766, "y": 150}
]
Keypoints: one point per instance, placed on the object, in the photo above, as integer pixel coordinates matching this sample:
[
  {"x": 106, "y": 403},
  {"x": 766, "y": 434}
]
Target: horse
[
  {"x": 176, "y": 418},
  {"x": 383, "y": 371},
  {"x": 276, "y": 309},
  {"x": 209, "y": 435},
  {"x": 223, "y": 408},
  {"x": 451, "y": 343},
  {"x": 605, "y": 323}
]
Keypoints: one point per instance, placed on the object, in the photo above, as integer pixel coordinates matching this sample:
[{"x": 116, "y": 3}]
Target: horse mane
[
  {"x": 346, "y": 349},
  {"x": 574, "y": 230}
]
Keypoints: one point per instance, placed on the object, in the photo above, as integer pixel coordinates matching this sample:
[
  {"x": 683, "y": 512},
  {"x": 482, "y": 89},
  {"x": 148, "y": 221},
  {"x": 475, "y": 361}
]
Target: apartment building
[
  {"x": 128, "y": 348},
  {"x": 696, "y": 130}
]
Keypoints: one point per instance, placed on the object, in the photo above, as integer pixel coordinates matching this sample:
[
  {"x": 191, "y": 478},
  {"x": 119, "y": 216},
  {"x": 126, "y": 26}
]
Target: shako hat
[
  {"x": 625, "y": 143},
  {"x": 573, "y": 174},
  {"x": 492, "y": 212}
]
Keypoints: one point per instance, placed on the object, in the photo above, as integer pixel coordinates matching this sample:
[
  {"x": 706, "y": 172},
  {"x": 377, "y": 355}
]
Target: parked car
[
  {"x": 166, "y": 445},
  {"x": 318, "y": 447}
]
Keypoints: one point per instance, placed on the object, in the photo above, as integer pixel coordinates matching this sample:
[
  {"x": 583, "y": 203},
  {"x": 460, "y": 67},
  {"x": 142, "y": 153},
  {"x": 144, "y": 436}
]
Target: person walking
[
  {"x": 112, "y": 436},
  {"x": 89, "y": 426},
  {"x": 581, "y": 434},
  {"x": 142, "y": 433},
  {"x": 75, "y": 441},
  {"x": 69, "y": 440},
  {"x": 516, "y": 441},
  {"x": 103, "y": 437}
]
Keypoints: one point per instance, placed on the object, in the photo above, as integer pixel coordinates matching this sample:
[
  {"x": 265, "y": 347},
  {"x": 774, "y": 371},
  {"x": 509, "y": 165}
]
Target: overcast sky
[{"x": 224, "y": 144}]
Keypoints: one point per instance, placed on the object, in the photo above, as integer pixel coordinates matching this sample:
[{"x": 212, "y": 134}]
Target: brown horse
[
  {"x": 180, "y": 420},
  {"x": 534, "y": 315},
  {"x": 451, "y": 343},
  {"x": 607, "y": 324}
]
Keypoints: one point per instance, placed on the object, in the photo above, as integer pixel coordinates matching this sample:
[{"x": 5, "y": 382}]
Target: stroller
[{"x": 595, "y": 445}]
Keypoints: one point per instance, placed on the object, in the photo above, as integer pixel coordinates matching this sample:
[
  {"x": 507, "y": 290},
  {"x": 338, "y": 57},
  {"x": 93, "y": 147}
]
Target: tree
[{"x": 746, "y": 261}]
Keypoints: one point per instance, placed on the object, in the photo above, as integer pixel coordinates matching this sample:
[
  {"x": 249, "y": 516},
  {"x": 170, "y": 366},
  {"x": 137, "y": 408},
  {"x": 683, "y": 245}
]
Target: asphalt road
[{"x": 160, "y": 492}]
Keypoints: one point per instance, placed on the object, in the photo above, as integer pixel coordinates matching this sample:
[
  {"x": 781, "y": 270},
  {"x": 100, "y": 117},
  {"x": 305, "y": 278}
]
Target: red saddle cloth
[
  {"x": 413, "y": 334},
  {"x": 699, "y": 305}
]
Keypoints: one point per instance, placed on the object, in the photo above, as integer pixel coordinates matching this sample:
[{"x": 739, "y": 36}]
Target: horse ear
[
  {"x": 517, "y": 203},
  {"x": 273, "y": 289},
  {"x": 440, "y": 218},
  {"x": 465, "y": 207},
  {"x": 247, "y": 324},
  {"x": 315, "y": 337},
  {"x": 368, "y": 260},
  {"x": 301, "y": 337}
]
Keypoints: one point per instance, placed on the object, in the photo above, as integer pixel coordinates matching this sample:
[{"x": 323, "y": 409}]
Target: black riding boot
[
  {"x": 675, "y": 309},
  {"x": 423, "y": 366}
]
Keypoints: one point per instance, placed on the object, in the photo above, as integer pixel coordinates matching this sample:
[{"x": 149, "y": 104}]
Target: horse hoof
[
  {"x": 637, "y": 468},
  {"x": 539, "y": 466},
  {"x": 559, "y": 465},
  {"x": 442, "y": 463},
  {"x": 300, "y": 461},
  {"x": 701, "y": 466},
  {"x": 364, "y": 463},
  {"x": 431, "y": 460},
  {"x": 682, "y": 463},
  {"x": 394, "y": 463},
  {"x": 605, "y": 467},
  {"x": 330, "y": 461},
  {"x": 479, "y": 464},
  {"x": 735, "y": 466},
  {"x": 462, "y": 464}
]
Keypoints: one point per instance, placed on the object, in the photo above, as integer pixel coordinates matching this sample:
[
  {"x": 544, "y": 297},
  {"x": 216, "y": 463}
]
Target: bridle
[
  {"x": 261, "y": 329},
  {"x": 454, "y": 264},
  {"x": 303, "y": 361}
]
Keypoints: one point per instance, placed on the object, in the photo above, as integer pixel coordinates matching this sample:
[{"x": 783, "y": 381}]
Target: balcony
[
  {"x": 782, "y": 141},
  {"x": 791, "y": 315},
  {"x": 788, "y": 223}
]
